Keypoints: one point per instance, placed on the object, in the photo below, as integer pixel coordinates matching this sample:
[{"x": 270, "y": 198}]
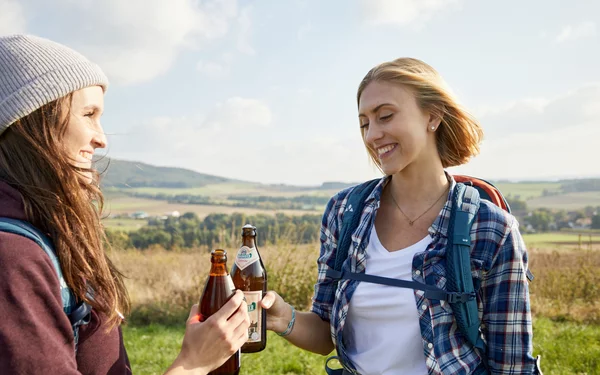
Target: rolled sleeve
[{"x": 507, "y": 313}]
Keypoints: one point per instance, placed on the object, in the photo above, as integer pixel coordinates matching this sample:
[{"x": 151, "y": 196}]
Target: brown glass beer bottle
[
  {"x": 249, "y": 275},
  {"x": 217, "y": 291}
]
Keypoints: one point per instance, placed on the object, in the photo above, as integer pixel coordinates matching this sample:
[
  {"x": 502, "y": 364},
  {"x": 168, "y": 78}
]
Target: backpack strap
[
  {"x": 465, "y": 205},
  {"x": 78, "y": 313},
  {"x": 355, "y": 204}
]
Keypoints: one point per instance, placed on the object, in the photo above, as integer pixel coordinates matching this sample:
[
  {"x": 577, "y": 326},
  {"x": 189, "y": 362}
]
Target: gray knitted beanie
[{"x": 36, "y": 71}]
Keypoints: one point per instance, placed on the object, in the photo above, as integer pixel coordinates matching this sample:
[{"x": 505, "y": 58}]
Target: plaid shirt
[{"x": 498, "y": 265}]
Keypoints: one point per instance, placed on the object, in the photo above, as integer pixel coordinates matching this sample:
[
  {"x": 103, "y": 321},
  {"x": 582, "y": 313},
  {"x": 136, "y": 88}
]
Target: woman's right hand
[
  {"x": 208, "y": 344},
  {"x": 279, "y": 312},
  {"x": 308, "y": 332}
]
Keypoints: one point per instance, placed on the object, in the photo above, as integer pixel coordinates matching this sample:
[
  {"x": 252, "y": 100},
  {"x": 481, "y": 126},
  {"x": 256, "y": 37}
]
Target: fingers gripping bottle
[
  {"x": 217, "y": 291},
  {"x": 249, "y": 275}
]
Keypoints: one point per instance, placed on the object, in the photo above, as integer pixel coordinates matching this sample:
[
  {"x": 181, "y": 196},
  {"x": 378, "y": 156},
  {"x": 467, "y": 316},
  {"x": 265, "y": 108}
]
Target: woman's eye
[
  {"x": 89, "y": 114},
  {"x": 363, "y": 126},
  {"x": 386, "y": 117}
]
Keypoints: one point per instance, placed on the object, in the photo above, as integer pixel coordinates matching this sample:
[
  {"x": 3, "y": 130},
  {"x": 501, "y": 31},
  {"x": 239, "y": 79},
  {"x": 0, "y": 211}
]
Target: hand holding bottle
[{"x": 208, "y": 344}]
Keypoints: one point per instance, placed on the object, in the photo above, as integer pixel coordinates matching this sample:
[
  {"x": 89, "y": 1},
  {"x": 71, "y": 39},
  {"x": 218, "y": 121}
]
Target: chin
[{"x": 389, "y": 170}]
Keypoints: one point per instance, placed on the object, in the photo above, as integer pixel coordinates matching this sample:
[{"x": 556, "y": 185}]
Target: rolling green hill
[{"x": 128, "y": 174}]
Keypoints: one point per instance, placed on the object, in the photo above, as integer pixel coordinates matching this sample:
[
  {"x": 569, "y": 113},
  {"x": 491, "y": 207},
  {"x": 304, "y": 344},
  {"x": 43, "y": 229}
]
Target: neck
[{"x": 415, "y": 185}]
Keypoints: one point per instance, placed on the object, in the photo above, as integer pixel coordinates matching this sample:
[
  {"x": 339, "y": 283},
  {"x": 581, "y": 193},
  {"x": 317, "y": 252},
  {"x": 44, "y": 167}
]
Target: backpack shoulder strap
[
  {"x": 78, "y": 314},
  {"x": 350, "y": 219},
  {"x": 465, "y": 205}
]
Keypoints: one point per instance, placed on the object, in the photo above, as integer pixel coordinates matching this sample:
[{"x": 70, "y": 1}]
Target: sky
[{"x": 266, "y": 90}]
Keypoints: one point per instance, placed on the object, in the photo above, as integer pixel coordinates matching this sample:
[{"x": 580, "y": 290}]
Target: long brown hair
[
  {"x": 459, "y": 134},
  {"x": 61, "y": 203}
]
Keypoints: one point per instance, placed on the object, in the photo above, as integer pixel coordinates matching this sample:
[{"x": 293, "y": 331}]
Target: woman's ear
[{"x": 435, "y": 118}]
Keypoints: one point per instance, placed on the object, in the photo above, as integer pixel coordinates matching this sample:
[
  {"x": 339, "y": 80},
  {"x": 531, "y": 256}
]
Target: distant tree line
[
  {"x": 572, "y": 186},
  {"x": 546, "y": 219},
  {"x": 189, "y": 231}
]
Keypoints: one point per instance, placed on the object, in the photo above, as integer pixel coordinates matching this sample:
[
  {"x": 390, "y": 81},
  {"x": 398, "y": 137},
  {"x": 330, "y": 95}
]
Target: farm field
[
  {"x": 553, "y": 240},
  {"x": 568, "y": 201},
  {"x": 223, "y": 190},
  {"x": 527, "y": 191},
  {"x": 124, "y": 204}
]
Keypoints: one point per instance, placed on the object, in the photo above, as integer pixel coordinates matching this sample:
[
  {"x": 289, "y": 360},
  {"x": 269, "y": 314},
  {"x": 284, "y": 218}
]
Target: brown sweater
[{"x": 35, "y": 334}]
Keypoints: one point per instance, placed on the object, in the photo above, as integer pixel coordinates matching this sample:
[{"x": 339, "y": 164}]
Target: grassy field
[
  {"x": 527, "y": 191},
  {"x": 152, "y": 349},
  {"x": 557, "y": 240},
  {"x": 223, "y": 190},
  {"x": 569, "y": 201},
  {"x": 126, "y": 225},
  {"x": 124, "y": 204},
  {"x": 565, "y": 300}
]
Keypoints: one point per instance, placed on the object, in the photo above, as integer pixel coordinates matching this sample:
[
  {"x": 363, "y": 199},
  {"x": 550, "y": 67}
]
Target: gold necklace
[{"x": 411, "y": 222}]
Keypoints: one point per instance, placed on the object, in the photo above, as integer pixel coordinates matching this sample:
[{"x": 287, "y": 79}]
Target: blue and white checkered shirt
[{"x": 498, "y": 265}]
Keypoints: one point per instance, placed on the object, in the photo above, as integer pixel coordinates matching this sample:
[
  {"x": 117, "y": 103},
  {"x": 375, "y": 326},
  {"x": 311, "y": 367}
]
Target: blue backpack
[
  {"x": 78, "y": 313},
  {"x": 460, "y": 291}
]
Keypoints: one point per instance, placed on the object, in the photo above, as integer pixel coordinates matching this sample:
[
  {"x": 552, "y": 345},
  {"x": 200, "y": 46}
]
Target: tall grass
[
  {"x": 567, "y": 285},
  {"x": 565, "y": 300},
  {"x": 163, "y": 285}
]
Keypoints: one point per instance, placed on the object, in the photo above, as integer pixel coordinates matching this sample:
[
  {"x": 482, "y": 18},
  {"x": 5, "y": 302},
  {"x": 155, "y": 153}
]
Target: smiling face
[
  {"x": 84, "y": 134},
  {"x": 397, "y": 132}
]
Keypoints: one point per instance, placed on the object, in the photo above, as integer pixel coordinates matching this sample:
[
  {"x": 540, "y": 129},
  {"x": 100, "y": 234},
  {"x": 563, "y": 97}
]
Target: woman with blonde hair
[
  {"x": 413, "y": 129},
  {"x": 63, "y": 300}
]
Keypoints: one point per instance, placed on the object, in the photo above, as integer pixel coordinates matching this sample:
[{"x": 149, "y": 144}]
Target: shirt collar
[{"x": 376, "y": 193}]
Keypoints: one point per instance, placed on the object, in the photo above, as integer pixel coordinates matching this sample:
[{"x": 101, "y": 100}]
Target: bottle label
[
  {"x": 246, "y": 256},
  {"x": 255, "y": 312}
]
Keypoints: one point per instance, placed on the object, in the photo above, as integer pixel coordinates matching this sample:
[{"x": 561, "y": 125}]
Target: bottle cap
[{"x": 249, "y": 229}]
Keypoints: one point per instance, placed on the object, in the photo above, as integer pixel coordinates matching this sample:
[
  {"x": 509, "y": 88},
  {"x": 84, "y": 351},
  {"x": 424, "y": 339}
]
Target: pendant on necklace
[{"x": 410, "y": 222}]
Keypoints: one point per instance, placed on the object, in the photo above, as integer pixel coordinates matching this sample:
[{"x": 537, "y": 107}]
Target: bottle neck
[
  {"x": 249, "y": 241},
  {"x": 218, "y": 267}
]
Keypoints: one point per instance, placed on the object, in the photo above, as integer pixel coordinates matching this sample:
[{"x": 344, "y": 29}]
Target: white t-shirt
[{"x": 382, "y": 333}]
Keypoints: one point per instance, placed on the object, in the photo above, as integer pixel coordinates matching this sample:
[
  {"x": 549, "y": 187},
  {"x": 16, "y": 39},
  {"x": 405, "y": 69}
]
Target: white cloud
[
  {"x": 136, "y": 40},
  {"x": 559, "y": 153},
  {"x": 541, "y": 138},
  {"x": 12, "y": 19},
  {"x": 403, "y": 12},
  {"x": 213, "y": 69},
  {"x": 582, "y": 30},
  {"x": 540, "y": 115},
  {"x": 216, "y": 143}
]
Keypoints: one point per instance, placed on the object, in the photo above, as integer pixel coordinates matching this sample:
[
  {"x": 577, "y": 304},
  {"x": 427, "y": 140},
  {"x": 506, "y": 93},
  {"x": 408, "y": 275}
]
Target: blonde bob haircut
[{"x": 459, "y": 133}]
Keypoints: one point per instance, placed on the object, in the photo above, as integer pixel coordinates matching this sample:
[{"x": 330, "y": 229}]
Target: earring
[{"x": 432, "y": 128}]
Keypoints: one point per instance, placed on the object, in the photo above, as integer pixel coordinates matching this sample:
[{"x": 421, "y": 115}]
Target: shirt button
[
  {"x": 418, "y": 272},
  {"x": 430, "y": 345},
  {"x": 424, "y": 307}
]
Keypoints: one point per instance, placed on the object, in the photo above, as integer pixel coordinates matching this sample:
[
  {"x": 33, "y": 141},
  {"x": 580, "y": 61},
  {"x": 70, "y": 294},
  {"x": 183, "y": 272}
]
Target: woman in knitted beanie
[{"x": 62, "y": 299}]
